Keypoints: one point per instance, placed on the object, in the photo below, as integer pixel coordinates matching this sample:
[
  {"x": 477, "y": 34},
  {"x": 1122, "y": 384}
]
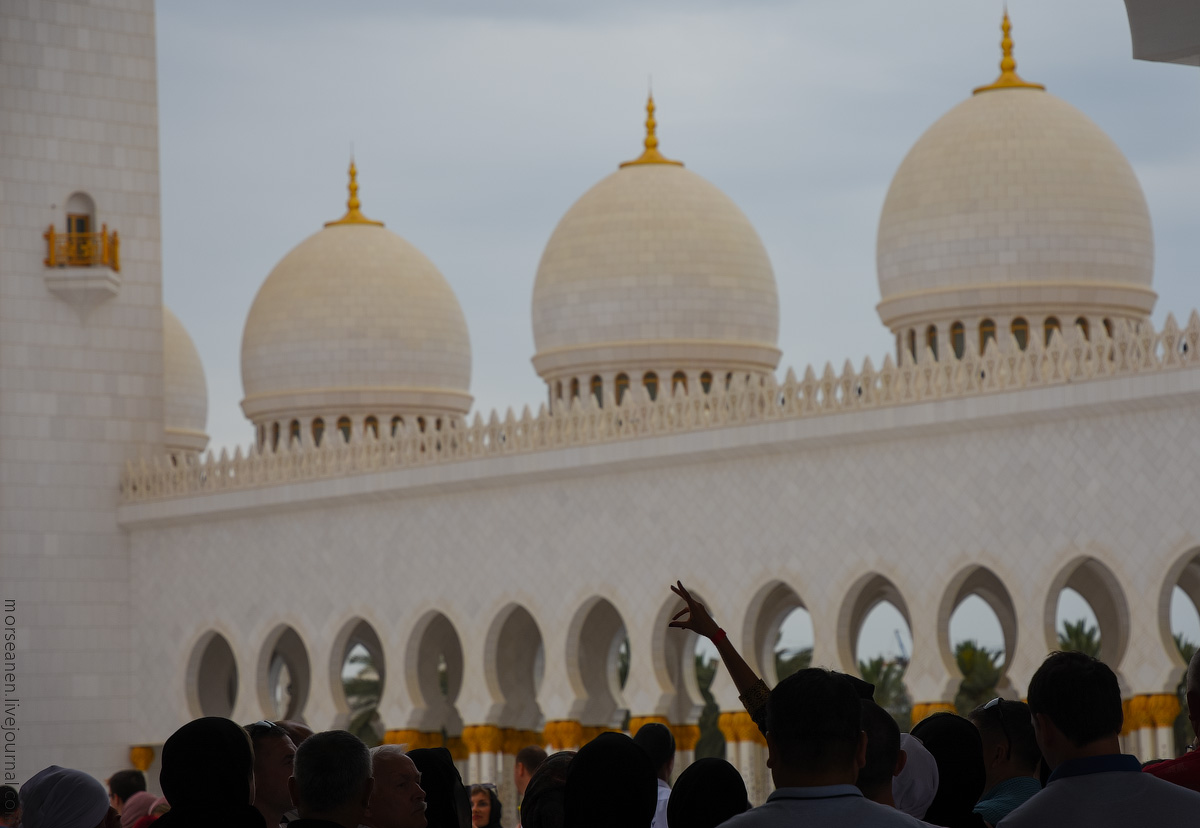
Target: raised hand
[{"x": 698, "y": 620}]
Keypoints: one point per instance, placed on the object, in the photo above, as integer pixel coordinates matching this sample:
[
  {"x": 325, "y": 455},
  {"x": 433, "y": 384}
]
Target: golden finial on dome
[
  {"x": 353, "y": 215},
  {"x": 651, "y": 155},
  {"x": 1009, "y": 79}
]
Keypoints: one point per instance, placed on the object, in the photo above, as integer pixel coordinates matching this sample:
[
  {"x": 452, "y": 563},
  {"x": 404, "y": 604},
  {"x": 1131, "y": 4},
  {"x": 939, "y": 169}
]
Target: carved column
[
  {"x": 1163, "y": 709},
  {"x": 686, "y": 738},
  {"x": 923, "y": 710}
]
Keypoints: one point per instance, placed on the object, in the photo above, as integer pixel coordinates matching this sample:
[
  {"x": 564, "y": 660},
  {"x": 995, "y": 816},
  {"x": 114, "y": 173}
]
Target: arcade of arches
[{"x": 590, "y": 696}]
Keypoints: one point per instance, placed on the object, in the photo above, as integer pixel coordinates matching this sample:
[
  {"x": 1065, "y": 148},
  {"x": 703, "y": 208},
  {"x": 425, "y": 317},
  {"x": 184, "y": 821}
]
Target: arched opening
[
  {"x": 435, "y": 674},
  {"x": 875, "y": 640},
  {"x": 274, "y": 436},
  {"x": 594, "y": 665},
  {"x": 318, "y": 430},
  {"x": 344, "y": 427},
  {"x": 987, "y": 333},
  {"x": 575, "y": 388},
  {"x": 1179, "y": 613},
  {"x": 685, "y": 672},
  {"x": 782, "y": 634},
  {"x": 1082, "y": 323},
  {"x": 397, "y": 424},
  {"x": 650, "y": 383},
  {"x": 81, "y": 213},
  {"x": 622, "y": 387},
  {"x": 371, "y": 424},
  {"x": 597, "y": 386},
  {"x": 81, "y": 224},
  {"x": 359, "y": 680},
  {"x": 294, "y": 430},
  {"x": 977, "y": 628},
  {"x": 558, "y": 390},
  {"x": 212, "y": 680},
  {"x": 958, "y": 339},
  {"x": 678, "y": 381},
  {"x": 706, "y": 382},
  {"x": 1020, "y": 332},
  {"x": 1051, "y": 325},
  {"x": 931, "y": 340},
  {"x": 1108, "y": 328},
  {"x": 1086, "y": 611},
  {"x": 912, "y": 342},
  {"x": 514, "y": 662},
  {"x": 284, "y": 676}
]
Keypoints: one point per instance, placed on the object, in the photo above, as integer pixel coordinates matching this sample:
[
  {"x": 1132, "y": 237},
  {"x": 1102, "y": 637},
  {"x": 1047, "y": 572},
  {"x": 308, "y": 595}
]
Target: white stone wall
[
  {"x": 82, "y": 389},
  {"x": 1040, "y": 487}
]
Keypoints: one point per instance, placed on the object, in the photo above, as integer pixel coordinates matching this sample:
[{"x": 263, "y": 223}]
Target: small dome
[
  {"x": 654, "y": 266},
  {"x": 1014, "y": 201},
  {"x": 355, "y": 321},
  {"x": 185, "y": 393}
]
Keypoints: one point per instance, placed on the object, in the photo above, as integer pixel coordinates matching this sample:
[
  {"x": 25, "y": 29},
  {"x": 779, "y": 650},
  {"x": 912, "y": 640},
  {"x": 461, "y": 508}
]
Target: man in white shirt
[
  {"x": 659, "y": 743},
  {"x": 815, "y": 748},
  {"x": 1075, "y": 703}
]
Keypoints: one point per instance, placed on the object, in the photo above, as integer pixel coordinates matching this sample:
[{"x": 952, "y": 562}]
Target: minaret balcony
[{"x": 83, "y": 268}]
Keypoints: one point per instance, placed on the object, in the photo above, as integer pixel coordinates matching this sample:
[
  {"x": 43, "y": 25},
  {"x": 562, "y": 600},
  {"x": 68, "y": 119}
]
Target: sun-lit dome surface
[
  {"x": 355, "y": 322},
  {"x": 1014, "y": 202},
  {"x": 185, "y": 393},
  {"x": 654, "y": 267}
]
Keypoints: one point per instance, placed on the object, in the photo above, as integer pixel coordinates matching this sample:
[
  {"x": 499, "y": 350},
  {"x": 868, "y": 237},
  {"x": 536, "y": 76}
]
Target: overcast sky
[{"x": 476, "y": 124}]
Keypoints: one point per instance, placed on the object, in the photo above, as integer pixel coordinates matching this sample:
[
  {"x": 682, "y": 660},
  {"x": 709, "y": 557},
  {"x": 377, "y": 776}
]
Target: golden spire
[
  {"x": 353, "y": 215},
  {"x": 651, "y": 154},
  {"x": 1009, "y": 79}
]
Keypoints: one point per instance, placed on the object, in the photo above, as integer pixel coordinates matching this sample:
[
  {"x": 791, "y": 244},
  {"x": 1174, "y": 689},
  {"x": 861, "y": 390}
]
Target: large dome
[
  {"x": 654, "y": 268},
  {"x": 1014, "y": 202},
  {"x": 185, "y": 393},
  {"x": 354, "y": 323}
]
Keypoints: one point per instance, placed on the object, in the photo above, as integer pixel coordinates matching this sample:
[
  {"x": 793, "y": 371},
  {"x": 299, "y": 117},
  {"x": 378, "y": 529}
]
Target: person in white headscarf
[
  {"x": 63, "y": 798},
  {"x": 916, "y": 785}
]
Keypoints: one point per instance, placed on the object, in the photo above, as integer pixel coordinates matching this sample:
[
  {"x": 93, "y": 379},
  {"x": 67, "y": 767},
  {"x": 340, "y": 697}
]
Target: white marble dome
[
  {"x": 356, "y": 322},
  {"x": 654, "y": 267},
  {"x": 185, "y": 392},
  {"x": 1013, "y": 203}
]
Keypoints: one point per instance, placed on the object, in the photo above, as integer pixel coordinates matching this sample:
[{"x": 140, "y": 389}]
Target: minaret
[{"x": 81, "y": 366}]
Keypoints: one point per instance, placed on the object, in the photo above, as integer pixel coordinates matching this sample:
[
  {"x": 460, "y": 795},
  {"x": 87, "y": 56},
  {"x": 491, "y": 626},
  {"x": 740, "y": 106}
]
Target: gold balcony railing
[{"x": 101, "y": 249}]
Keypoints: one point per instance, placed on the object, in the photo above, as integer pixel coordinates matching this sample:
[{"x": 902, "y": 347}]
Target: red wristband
[{"x": 719, "y": 637}]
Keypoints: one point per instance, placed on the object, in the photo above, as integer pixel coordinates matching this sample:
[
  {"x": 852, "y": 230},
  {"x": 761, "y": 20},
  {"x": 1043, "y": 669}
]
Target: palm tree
[
  {"x": 890, "y": 693},
  {"x": 1183, "y": 727},
  {"x": 363, "y": 690},
  {"x": 1079, "y": 637},
  {"x": 792, "y": 661},
  {"x": 981, "y": 672},
  {"x": 711, "y": 743}
]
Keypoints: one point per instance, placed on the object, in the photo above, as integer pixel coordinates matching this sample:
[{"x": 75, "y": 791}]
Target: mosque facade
[{"x": 1032, "y": 432}]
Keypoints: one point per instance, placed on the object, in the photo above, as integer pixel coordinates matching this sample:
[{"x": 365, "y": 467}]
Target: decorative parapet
[{"x": 1068, "y": 358}]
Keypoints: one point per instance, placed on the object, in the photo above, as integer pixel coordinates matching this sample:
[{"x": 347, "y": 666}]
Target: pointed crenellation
[{"x": 1068, "y": 356}]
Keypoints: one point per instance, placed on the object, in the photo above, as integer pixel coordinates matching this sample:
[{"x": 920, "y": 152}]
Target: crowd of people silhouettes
[{"x": 835, "y": 756}]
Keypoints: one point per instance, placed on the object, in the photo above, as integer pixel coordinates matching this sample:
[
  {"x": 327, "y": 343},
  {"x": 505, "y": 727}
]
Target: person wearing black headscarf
[
  {"x": 446, "y": 804},
  {"x": 611, "y": 783},
  {"x": 958, "y": 751},
  {"x": 64, "y": 798},
  {"x": 207, "y": 776},
  {"x": 544, "y": 803},
  {"x": 708, "y": 792}
]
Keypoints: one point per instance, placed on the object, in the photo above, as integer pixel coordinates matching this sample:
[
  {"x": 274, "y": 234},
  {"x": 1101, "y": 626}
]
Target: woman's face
[{"x": 481, "y": 809}]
